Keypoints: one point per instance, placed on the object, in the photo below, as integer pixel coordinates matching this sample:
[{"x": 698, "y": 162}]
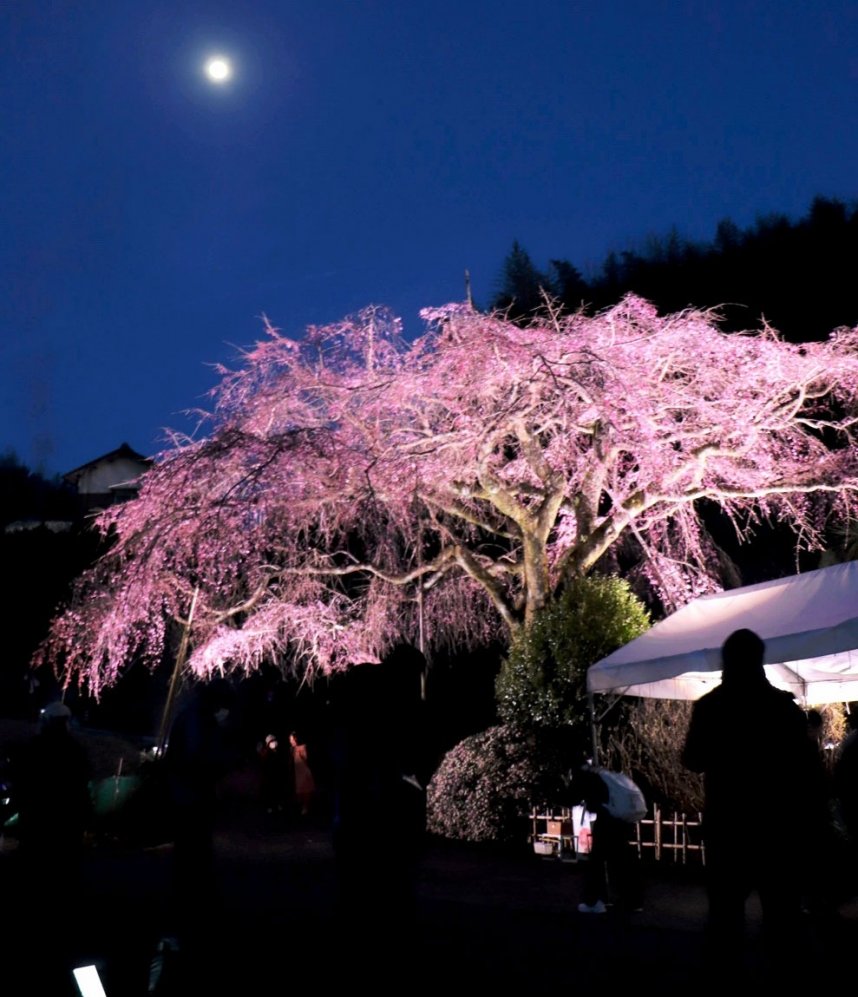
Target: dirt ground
[{"x": 485, "y": 918}]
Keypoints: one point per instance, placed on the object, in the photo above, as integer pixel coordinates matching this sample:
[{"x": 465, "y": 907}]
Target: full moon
[{"x": 218, "y": 69}]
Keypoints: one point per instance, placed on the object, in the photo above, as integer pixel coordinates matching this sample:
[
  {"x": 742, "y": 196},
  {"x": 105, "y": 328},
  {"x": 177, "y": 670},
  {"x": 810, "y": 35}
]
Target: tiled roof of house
[{"x": 124, "y": 451}]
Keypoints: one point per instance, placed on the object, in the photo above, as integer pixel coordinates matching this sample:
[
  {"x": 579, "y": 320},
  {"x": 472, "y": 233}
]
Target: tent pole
[{"x": 593, "y": 731}]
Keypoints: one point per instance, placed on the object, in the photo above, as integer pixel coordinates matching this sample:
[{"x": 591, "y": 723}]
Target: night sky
[{"x": 365, "y": 152}]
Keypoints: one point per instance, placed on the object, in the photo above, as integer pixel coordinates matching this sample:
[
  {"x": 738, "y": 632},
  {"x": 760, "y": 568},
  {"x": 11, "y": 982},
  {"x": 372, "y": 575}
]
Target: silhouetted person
[
  {"x": 196, "y": 759},
  {"x": 276, "y": 778},
  {"x": 751, "y": 743},
  {"x": 846, "y": 792},
  {"x": 822, "y": 846},
  {"x": 816, "y": 729},
  {"x": 302, "y": 775},
  {"x": 846, "y": 777},
  {"x": 612, "y": 872},
  {"x": 379, "y": 815},
  {"x": 51, "y": 784},
  {"x": 54, "y": 804}
]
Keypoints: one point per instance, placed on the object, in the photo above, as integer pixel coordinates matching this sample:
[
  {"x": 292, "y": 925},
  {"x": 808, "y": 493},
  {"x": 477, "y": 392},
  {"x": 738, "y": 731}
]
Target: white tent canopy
[{"x": 809, "y": 623}]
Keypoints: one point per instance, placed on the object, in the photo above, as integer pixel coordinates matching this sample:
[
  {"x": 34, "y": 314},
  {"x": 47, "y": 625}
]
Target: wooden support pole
[{"x": 181, "y": 657}]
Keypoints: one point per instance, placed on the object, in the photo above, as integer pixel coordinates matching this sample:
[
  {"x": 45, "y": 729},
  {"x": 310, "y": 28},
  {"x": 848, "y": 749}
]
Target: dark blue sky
[{"x": 366, "y": 151}]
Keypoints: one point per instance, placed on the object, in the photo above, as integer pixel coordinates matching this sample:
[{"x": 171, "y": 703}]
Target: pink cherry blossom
[{"x": 355, "y": 489}]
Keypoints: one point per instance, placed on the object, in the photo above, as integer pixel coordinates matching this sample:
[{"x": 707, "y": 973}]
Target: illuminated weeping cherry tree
[{"x": 354, "y": 487}]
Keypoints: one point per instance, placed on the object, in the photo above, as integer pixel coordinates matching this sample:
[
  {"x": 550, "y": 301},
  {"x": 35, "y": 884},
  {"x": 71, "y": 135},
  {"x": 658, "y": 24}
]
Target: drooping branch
[{"x": 350, "y": 475}]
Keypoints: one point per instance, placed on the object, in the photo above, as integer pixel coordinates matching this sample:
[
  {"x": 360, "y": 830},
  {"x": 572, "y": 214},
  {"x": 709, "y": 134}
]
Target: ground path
[{"x": 485, "y": 918}]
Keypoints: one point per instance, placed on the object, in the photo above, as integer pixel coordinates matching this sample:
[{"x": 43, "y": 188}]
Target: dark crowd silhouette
[{"x": 780, "y": 819}]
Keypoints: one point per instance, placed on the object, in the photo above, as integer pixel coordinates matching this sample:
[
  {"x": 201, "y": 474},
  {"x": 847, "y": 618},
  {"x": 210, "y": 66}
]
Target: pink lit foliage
[{"x": 355, "y": 488}]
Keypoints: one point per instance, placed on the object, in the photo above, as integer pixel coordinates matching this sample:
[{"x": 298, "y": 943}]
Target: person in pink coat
[{"x": 305, "y": 784}]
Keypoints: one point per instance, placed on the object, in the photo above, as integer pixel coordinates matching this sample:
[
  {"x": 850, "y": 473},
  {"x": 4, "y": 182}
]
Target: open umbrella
[{"x": 110, "y": 795}]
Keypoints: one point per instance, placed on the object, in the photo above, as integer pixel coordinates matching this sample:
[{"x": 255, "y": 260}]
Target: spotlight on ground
[{"x": 88, "y": 981}]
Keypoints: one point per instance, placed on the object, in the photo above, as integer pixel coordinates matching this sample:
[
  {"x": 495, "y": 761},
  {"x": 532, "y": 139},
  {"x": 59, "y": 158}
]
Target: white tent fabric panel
[{"x": 809, "y": 623}]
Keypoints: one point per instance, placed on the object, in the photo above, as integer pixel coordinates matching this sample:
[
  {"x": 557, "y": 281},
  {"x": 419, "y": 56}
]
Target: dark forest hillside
[{"x": 800, "y": 276}]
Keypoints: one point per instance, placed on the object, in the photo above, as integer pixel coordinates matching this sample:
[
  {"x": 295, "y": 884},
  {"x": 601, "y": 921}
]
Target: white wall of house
[{"x": 101, "y": 476}]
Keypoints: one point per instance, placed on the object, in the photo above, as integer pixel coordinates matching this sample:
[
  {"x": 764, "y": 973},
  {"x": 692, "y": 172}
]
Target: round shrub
[
  {"x": 542, "y": 681},
  {"x": 485, "y": 786}
]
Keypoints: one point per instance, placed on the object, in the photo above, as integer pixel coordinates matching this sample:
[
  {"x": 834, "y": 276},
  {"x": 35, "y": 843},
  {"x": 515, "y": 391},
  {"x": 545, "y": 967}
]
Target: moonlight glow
[{"x": 218, "y": 69}]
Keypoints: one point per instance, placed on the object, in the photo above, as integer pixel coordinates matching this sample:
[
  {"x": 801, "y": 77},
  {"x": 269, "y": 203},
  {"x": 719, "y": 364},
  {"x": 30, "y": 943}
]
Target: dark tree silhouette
[
  {"x": 795, "y": 275},
  {"x": 521, "y": 287}
]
